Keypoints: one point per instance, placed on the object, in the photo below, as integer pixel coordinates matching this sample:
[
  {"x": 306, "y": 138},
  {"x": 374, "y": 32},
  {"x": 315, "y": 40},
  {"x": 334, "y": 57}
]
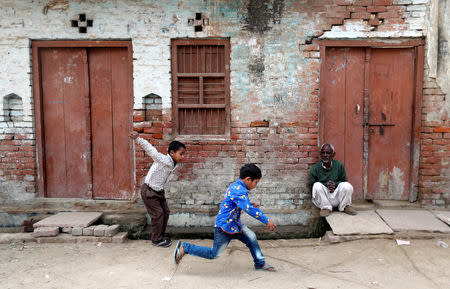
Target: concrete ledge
[{"x": 409, "y": 235}]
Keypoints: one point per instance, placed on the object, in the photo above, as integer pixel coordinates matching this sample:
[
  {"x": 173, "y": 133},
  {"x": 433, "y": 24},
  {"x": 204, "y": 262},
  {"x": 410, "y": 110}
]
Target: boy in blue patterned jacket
[{"x": 228, "y": 222}]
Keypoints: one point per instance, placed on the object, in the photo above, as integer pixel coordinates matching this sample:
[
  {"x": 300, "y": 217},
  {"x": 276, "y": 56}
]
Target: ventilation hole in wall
[
  {"x": 198, "y": 16},
  {"x": 82, "y": 29},
  {"x": 198, "y": 28},
  {"x": 82, "y": 17},
  {"x": 12, "y": 108},
  {"x": 90, "y": 23},
  {"x": 74, "y": 23},
  {"x": 153, "y": 107}
]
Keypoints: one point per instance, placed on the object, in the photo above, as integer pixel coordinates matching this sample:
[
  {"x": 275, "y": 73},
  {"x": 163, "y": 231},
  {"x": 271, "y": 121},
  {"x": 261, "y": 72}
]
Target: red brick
[
  {"x": 138, "y": 118},
  {"x": 153, "y": 130},
  {"x": 158, "y": 135},
  {"x": 264, "y": 123},
  {"x": 343, "y": 2},
  {"x": 361, "y": 15},
  {"x": 310, "y": 47},
  {"x": 374, "y": 22},
  {"x": 394, "y": 21},
  {"x": 442, "y": 129},
  {"x": 362, "y": 3},
  {"x": 377, "y": 9},
  {"x": 356, "y": 9},
  {"x": 391, "y": 14},
  {"x": 382, "y": 2},
  {"x": 339, "y": 14},
  {"x": 27, "y": 148}
]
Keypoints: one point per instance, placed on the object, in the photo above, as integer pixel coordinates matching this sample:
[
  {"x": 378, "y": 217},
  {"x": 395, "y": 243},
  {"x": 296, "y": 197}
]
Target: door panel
[
  {"x": 86, "y": 106},
  {"x": 391, "y": 103},
  {"x": 110, "y": 108},
  {"x": 65, "y": 117},
  {"x": 378, "y": 158},
  {"x": 341, "y": 110}
]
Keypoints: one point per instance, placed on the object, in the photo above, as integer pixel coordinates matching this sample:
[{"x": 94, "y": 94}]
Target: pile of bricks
[{"x": 77, "y": 224}]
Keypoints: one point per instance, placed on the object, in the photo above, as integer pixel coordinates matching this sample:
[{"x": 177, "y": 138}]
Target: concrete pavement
[{"x": 302, "y": 263}]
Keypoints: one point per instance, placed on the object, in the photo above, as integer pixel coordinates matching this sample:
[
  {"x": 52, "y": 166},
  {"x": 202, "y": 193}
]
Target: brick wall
[{"x": 274, "y": 66}]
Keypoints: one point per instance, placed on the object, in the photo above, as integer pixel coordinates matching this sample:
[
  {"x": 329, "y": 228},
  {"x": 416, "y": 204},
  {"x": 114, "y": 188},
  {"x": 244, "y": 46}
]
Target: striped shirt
[{"x": 163, "y": 165}]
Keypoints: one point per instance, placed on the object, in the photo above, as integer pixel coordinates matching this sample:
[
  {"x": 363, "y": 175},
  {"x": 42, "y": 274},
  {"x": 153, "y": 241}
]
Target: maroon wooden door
[
  {"x": 86, "y": 118},
  {"x": 342, "y": 108},
  {"x": 65, "y": 104},
  {"x": 390, "y": 122},
  {"x": 367, "y": 114},
  {"x": 110, "y": 117}
]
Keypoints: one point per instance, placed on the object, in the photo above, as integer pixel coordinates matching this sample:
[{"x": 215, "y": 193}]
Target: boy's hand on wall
[
  {"x": 271, "y": 225},
  {"x": 134, "y": 135},
  {"x": 255, "y": 205}
]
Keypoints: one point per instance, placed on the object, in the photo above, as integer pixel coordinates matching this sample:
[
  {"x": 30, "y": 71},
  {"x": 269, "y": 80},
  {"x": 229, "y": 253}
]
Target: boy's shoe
[
  {"x": 176, "y": 254},
  {"x": 349, "y": 210},
  {"x": 163, "y": 243},
  {"x": 267, "y": 267},
  {"x": 325, "y": 212}
]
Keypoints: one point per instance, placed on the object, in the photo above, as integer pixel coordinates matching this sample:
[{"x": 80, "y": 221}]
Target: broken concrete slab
[
  {"x": 46, "y": 232},
  {"x": 444, "y": 216},
  {"x": 111, "y": 230},
  {"x": 69, "y": 219},
  {"x": 89, "y": 231},
  {"x": 119, "y": 237},
  {"x": 365, "y": 222},
  {"x": 77, "y": 231},
  {"x": 67, "y": 230},
  {"x": 412, "y": 220},
  {"x": 99, "y": 230}
]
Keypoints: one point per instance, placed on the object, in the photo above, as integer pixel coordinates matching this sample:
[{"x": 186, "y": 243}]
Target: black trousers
[{"x": 156, "y": 205}]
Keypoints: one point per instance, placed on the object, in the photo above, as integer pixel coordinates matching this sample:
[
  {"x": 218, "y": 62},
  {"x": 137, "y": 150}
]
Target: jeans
[{"x": 221, "y": 241}]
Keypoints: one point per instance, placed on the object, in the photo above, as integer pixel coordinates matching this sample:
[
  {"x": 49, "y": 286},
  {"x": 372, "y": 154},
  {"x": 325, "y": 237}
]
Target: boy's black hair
[
  {"x": 175, "y": 146},
  {"x": 250, "y": 170}
]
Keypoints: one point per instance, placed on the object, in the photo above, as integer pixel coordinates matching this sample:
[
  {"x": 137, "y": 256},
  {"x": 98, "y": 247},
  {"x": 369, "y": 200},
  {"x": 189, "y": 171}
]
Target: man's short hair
[
  {"x": 175, "y": 146},
  {"x": 328, "y": 144},
  {"x": 250, "y": 170}
]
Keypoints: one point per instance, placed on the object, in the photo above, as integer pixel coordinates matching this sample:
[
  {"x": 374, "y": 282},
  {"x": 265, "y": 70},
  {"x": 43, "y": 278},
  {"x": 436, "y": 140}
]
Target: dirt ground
[{"x": 305, "y": 263}]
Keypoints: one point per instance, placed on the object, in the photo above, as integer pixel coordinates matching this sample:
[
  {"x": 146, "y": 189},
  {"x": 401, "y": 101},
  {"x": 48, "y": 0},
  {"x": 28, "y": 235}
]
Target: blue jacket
[{"x": 236, "y": 199}]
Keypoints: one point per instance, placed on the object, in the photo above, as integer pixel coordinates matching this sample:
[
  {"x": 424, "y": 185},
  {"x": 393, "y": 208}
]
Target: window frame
[{"x": 175, "y": 43}]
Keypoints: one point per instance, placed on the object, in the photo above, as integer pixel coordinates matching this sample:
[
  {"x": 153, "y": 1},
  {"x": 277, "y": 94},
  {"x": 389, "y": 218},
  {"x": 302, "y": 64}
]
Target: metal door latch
[{"x": 381, "y": 125}]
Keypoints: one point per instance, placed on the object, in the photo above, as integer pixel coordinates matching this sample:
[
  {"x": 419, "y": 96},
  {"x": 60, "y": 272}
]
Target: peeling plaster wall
[{"x": 274, "y": 77}]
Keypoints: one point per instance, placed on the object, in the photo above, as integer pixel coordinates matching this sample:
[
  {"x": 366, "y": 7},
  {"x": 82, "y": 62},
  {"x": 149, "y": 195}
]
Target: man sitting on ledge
[{"x": 328, "y": 181}]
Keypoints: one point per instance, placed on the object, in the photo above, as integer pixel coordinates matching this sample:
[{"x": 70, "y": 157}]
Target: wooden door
[
  {"x": 342, "y": 108},
  {"x": 390, "y": 121},
  {"x": 367, "y": 105},
  {"x": 85, "y": 113},
  {"x": 111, "y": 153},
  {"x": 65, "y": 104}
]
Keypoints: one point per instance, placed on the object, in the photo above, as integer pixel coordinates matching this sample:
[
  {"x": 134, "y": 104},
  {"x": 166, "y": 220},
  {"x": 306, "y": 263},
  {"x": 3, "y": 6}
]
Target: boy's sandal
[
  {"x": 176, "y": 254},
  {"x": 267, "y": 267}
]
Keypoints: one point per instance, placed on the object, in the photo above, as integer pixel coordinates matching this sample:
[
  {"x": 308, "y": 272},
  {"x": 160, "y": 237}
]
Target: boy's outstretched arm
[
  {"x": 149, "y": 149},
  {"x": 244, "y": 203}
]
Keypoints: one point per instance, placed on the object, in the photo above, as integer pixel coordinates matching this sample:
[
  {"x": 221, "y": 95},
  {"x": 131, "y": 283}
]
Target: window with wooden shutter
[{"x": 200, "y": 86}]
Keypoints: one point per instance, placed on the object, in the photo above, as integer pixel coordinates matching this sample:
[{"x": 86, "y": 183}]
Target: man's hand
[
  {"x": 331, "y": 186},
  {"x": 134, "y": 135},
  {"x": 271, "y": 225},
  {"x": 255, "y": 205}
]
